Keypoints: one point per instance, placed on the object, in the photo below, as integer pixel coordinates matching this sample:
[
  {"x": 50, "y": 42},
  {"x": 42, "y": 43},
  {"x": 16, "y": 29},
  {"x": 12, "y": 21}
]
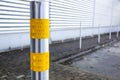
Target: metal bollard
[
  {"x": 110, "y": 33},
  {"x": 117, "y": 35},
  {"x": 80, "y": 45},
  {"x": 99, "y": 34},
  {"x": 39, "y": 33}
]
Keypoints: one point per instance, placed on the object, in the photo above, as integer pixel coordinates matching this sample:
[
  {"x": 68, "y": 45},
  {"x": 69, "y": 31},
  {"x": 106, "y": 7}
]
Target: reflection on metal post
[
  {"x": 98, "y": 33},
  {"x": 39, "y": 46},
  {"x": 80, "y": 46}
]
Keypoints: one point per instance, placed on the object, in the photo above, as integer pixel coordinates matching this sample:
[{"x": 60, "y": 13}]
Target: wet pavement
[{"x": 105, "y": 61}]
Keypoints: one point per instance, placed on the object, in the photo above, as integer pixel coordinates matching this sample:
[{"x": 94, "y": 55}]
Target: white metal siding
[
  {"x": 107, "y": 14},
  {"x": 14, "y": 16},
  {"x": 66, "y": 17},
  {"x": 69, "y": 13},
  {"x": 14, "y": 24},
  {"x": 64, "y": 14}
]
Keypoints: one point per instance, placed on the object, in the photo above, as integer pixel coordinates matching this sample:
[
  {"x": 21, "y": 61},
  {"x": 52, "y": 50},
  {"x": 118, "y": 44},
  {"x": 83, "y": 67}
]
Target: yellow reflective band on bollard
[
  {"x": 39, "y": 28},
  {"x": 39, "y": 61}
]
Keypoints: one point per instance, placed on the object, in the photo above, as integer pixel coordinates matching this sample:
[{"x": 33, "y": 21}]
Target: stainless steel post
[
  {"x": 117, "y": 31},
  {"x": 80, "y": 45},
  {"x": 39, "y": 10},
  {"x": 110, "y": 33},
  {"x": 99, "y": 34}
]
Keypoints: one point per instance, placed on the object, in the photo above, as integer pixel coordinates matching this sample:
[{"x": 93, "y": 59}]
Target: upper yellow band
[{"x": 39, "y": 28}]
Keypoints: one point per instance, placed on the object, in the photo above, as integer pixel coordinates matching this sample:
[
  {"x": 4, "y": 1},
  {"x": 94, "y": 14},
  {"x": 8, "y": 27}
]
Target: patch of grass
[{"x": 68, "y": 62}]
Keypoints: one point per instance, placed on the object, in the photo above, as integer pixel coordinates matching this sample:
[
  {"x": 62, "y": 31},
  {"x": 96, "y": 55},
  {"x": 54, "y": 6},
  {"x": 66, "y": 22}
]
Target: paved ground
[
  {"x": 104, "y": 61},
  {"x": 14, "y": 65},
  {"x": 61, "y": 72}
]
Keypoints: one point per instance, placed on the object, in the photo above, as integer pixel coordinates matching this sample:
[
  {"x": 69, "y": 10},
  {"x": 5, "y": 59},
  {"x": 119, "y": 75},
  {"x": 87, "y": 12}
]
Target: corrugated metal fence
[
  {"x": 14, "y": 16},
  {"x": 66, "y": 17}
]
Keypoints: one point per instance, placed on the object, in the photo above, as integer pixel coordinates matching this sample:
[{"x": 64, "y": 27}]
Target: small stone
[
  {"x": 91, "y": 67},
  {"x": 21, "y": 49},
  {"x": 28, "y": 76},
  {"x": 4, "y": 76},
  {"x": 8, "y": 72},
  {"x": 20, "y": 76},
  {"x": 82, "y": 74},
  {"x": 103, "y": 45}
]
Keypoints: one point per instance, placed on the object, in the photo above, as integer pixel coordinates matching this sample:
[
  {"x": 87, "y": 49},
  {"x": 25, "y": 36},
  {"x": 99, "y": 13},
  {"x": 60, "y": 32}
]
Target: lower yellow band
[{"x": 39, "y": 61}]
